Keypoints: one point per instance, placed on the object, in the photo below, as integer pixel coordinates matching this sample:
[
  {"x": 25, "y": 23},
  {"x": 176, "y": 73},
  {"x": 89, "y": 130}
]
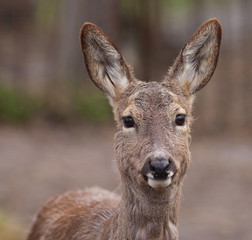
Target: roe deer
[{"x": 151, "y": 145}]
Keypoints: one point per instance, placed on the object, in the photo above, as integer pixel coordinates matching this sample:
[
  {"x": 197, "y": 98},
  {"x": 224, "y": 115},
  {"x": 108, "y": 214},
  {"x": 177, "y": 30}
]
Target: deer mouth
[{"x": 159, "y": 183}]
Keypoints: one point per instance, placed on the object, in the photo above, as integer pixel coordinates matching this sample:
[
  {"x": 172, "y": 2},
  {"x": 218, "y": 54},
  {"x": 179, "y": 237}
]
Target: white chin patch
[
  {"x": 159, "y": 183},
  {"x": 155, "y": 183}
]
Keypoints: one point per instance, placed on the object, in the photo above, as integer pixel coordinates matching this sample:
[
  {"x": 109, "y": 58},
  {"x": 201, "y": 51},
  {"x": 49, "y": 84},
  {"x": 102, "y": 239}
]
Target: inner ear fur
[
  {"x": 104, "y": 62},
  {"x": 197, "y": 60}
]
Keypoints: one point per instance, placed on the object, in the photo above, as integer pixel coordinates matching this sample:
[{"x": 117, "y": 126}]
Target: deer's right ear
[{"x": 104, "y": 62}]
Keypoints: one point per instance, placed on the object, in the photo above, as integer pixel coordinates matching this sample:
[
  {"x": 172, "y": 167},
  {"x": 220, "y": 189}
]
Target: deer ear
[
  {"x": 197, "y": 61},
  {"x": 104, "y": 62}
]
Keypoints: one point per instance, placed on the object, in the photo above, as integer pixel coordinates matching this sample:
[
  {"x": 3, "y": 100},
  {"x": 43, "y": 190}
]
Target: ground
[{"x": 39, "y": 161}]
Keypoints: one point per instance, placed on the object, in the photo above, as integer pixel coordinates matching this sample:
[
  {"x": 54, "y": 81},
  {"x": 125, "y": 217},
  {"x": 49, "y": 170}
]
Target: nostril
[
  {"x": 172, "y": 166},
  {"x": 152, "y": 166},
  {"x": 152, "y": 170},
  {"x": 166, "y": 165}
]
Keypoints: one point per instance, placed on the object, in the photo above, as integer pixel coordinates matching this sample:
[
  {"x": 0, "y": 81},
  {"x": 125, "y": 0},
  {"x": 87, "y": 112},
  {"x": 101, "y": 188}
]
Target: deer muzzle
[{"x": 159, "y": 172}]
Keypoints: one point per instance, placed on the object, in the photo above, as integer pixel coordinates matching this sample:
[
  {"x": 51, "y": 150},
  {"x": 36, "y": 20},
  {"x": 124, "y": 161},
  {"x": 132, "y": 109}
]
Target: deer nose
[{"x": 159, "y": 168}]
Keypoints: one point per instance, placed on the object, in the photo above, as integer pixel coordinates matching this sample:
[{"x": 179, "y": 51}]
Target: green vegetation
[
  {"x": 10, "y": 229},
  {"x": 46, "y": 13},
  {"x": 15, "y": 106},
  {"x": 93, "y": 106},
  {"x": 70, "y": 104}
]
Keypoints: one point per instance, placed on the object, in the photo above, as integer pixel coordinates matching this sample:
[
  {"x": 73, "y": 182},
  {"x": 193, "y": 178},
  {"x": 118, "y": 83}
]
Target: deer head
[{"x": 153, "y": 119}]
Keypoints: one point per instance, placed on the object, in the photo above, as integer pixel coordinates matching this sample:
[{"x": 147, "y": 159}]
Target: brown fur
[{"x": 143, "y": 212}]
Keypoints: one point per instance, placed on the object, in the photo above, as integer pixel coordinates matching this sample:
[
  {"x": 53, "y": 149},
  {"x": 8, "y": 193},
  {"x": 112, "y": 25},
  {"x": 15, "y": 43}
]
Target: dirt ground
[{"x": 40, "y": 161}]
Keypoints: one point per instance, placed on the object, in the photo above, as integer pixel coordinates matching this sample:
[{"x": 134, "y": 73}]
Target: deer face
[{"x": 152, "y": 144}]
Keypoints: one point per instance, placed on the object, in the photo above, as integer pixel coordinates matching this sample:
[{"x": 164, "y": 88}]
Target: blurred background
[{"x": 56, "y": 128}]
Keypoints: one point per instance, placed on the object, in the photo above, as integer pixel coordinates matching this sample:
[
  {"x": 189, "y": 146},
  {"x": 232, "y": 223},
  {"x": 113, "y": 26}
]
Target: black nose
[{"x": 159, "y": 169}]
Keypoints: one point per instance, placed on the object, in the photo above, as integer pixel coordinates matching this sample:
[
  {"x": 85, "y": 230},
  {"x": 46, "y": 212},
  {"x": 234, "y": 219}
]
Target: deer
[{"x": 151, "y": 145}]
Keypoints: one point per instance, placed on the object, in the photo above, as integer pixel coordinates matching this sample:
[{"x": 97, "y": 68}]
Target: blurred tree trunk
[
  {"x": 246, "y": 49},
  {"x": 151, "y": 39},
  {"x": 15, "y": 26},
  {"x": 238, "y": 69},
  {"x": 145, "y": 43},
  {"x": 73, "y": 14}
]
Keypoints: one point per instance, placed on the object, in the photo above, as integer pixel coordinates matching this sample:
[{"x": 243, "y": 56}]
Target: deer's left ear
[{"x": 197, "y": 61}]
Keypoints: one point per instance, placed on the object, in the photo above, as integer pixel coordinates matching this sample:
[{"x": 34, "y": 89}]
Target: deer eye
[
  {"x": 180, "y": 119},
  {"x": 128, "y": 122}
]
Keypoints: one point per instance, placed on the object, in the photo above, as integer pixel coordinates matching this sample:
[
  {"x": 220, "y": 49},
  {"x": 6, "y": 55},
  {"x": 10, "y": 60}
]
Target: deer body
[{"x": 151, "y": 145}]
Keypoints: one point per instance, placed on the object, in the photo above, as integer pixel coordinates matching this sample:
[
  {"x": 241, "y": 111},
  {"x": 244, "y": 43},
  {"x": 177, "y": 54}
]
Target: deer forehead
[{"x": 149, "y": 99}]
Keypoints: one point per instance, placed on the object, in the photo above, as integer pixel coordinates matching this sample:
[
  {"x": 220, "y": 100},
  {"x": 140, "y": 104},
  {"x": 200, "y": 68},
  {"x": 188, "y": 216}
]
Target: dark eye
[
  {"x": 128, "y": 122},
  {"x": 180, "y": 119}
]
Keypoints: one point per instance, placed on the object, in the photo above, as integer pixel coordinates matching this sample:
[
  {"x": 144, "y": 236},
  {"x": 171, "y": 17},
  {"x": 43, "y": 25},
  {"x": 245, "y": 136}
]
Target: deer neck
[{"x": 146, "y": 214}]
